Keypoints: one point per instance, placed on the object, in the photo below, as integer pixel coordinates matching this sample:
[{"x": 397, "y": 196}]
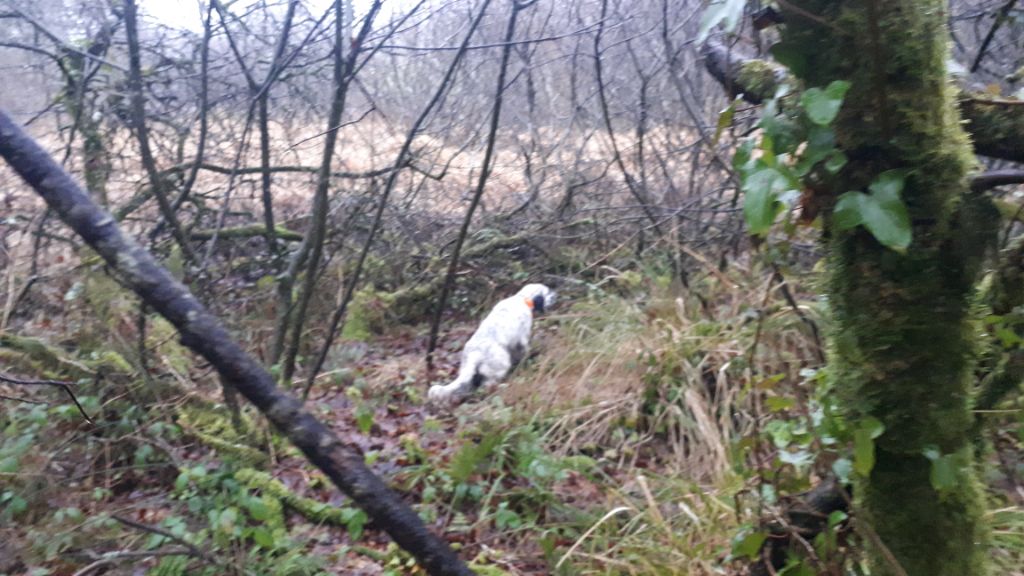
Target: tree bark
[
  {"x": 902, "y": 333},
  {"x": 205, "y": 335}
]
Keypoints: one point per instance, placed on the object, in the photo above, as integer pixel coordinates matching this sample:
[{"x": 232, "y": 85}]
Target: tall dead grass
[{"x": 662, "y": 378}]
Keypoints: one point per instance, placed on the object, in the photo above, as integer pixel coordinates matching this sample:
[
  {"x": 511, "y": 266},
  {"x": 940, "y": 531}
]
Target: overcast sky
[{"x": 186, "y": 13}]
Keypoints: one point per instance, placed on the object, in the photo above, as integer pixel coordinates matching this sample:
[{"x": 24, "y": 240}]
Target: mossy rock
[{"x": 369, "y": 313}]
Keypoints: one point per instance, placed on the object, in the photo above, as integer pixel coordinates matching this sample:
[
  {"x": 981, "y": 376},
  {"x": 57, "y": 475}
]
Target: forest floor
[
  {"x": 616, "y": 449},
  {"x": 503, "y": 480}
]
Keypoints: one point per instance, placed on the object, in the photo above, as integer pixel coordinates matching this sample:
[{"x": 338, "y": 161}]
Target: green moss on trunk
[{"x": 902, "y": 348}]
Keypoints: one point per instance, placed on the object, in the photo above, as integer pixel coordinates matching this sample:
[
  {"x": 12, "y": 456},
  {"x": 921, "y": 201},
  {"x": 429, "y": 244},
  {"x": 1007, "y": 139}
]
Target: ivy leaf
[
  {"x": 847, "y": 213},
  {"x": 748, "y": 544},
  {"x": 725, "y": 120},
  {"x": 864, "y": 445},
  {"x": 761, "y": 198},
  {"x": 885, "y": 216},
  {"x": 743, "y": 160},
  {"x": 258, "y": 509},
  {"x": 821, "y": 143},
  {"x": 263, "y": 538},
  {"x": 836, "y": 517},
  {"x": 842, "y": 469},
  {"x": 227, "y": 521},
  {"x": 790, "y": 56},
  {"x": 8, "y": 465},
  {"x": 822, "y": 106},
  {"x": 943, "y": 475},
  {"x": 874, "y": 426},
  {"x": 882, "y": 212},
  {"x": 355, "y": 520},
  {"x": 728, "y": 12},
  {"x": 780, "y": 133},
  {"x": 888, "y": 183},
  {"x": 835, "y": 162}
]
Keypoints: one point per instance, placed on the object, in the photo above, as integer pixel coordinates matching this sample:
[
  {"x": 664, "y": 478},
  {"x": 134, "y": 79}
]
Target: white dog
[{"x": 501, "y": 342}]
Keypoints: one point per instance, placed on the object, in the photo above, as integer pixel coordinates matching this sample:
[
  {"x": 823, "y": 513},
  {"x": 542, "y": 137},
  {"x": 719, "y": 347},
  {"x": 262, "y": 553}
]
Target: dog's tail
[
  {"x": 468, "y": 380},
  {"x": 469, "y": 377}
]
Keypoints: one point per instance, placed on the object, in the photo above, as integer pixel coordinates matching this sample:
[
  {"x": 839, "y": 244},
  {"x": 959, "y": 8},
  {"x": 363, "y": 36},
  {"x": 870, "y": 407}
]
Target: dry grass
[
  {"x": 657, "y": 526},
  {"x": 662, "y": 378}
]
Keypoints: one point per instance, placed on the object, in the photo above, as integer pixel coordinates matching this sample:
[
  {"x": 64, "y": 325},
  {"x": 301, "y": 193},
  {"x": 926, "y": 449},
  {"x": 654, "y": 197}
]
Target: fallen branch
[
  {"x": 994, "y": 178},
  {"x": 204, "y": 334},
  {"x": 248, "y": 231},
  {"x": 417, "y": 296}
]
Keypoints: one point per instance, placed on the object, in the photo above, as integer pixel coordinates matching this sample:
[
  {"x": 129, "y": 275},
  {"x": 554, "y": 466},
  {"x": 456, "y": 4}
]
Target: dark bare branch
[{"x": 66, "y": 386}]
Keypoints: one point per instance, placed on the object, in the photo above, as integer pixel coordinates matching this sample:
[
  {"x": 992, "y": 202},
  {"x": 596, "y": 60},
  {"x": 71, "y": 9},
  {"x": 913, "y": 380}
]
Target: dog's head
[{"x": 540, "y": 295}]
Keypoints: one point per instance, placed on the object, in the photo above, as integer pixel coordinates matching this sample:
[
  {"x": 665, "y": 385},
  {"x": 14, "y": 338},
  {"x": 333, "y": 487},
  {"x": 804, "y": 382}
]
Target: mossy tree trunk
[{"x": 903, "y": 342}]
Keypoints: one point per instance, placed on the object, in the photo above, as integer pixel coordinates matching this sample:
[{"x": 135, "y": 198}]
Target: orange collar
[{"x": 529, "y": 303}]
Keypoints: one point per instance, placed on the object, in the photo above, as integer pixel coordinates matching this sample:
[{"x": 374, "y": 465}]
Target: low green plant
[{"x": 220, "y": 510}]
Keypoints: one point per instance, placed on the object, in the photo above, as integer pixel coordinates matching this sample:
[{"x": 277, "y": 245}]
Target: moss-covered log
[
  {"x": 35, "y": 356},
  {"x": 217, "y": 428},
  {"x": 902, "y": 342},
  {"x": 310, "y": 509},
  {"x": 996, "y": 126}
]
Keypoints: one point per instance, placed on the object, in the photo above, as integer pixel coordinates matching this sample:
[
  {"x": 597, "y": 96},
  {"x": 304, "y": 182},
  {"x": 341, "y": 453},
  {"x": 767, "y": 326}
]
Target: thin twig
[
  {"x": 586, "y": 29},
  {"x": 338, "y": 127},
  {"x": 1000, "y": 18},
  {"x": 66, "y": 386},
  {"x": 192, "y": 548},
  {"x": 111, "y": 557}
]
